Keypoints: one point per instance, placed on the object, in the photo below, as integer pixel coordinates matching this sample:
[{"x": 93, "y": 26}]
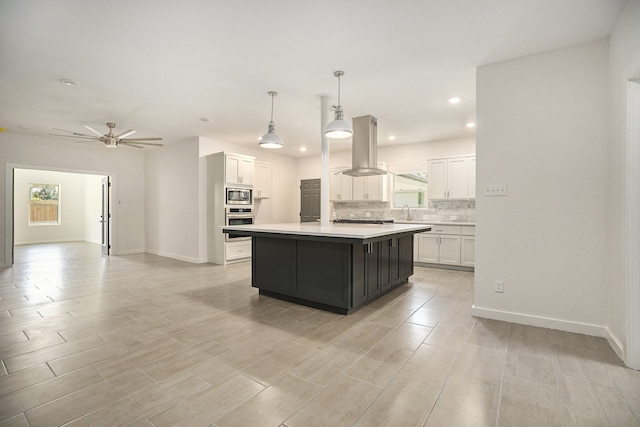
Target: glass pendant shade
[{"x": 270, "y": 139}]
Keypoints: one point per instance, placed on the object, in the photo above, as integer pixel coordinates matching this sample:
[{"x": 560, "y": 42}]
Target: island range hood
[{"x": 364, "y": 149}]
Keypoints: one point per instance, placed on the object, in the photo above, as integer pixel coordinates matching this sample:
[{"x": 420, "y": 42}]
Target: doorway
[
  {"x": 310, "y": 200},
  {"x": 56, "y": 206}
]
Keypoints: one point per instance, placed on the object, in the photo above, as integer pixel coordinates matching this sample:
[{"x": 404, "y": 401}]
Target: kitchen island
[{"x": 335, "y": 267}]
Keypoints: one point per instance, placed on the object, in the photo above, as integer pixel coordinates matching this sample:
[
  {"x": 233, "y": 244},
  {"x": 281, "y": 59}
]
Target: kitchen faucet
[{"x": 409, "y": 216}]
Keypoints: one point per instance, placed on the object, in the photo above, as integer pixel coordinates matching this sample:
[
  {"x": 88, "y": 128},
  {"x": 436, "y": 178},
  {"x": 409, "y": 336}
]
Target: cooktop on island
[{"x": 362, "y": 221}]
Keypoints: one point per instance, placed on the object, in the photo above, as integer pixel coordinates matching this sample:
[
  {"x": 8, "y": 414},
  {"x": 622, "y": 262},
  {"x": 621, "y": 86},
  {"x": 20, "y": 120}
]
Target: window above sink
[{"x": 410, "y": 189}]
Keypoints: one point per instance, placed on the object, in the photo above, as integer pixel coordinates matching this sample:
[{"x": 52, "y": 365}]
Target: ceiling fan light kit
[
  {"x": 338, "y": 128},
  {"x": 109, "y": 139},
  {"x": 271, "y": 139}
]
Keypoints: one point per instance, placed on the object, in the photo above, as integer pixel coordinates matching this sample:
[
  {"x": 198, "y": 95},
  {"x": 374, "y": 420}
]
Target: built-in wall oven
[
  {"x": 239, "y": 196},
  {"x": 237, "y": 216}
]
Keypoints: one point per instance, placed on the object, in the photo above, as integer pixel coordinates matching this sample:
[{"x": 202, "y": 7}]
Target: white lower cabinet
[
  {"x": 468, "y": 246},
  {"x": 237, "y": 250},
  {"x": 446, "y": 244}
]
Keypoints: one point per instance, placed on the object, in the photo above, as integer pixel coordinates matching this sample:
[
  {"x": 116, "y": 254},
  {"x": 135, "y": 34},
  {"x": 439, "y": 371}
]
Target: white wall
[
  {"x": 79, "y": 207},
  {"x": 624, "y": 63},
  {"x": 126, "y": 166},
  {"x": 542, "y": 130},
  {"x": 172, "y": 205}
]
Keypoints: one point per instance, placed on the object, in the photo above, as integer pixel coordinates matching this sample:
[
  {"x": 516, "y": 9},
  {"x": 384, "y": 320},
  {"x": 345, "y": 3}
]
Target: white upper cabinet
[
  {"x": 370, "y": 188},
  {"x": 345, "y": 187},
  {"x": 262, "y": 175},
  {"x": 340, "y": 185},
  {"x": 238, "y": 169},
  {"x": 451, "y": 178}
]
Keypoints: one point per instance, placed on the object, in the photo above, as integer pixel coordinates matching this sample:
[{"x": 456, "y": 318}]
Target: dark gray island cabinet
[{"x": 337, "y": 268}]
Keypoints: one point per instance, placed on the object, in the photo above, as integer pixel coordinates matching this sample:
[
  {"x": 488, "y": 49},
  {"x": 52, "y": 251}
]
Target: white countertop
[{"x": 352, "y": 231}]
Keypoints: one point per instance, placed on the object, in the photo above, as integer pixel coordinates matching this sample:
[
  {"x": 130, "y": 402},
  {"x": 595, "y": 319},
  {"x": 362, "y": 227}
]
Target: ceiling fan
[{"x": 109, "y": 139}]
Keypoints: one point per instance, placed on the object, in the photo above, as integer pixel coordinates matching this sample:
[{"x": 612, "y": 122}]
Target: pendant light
[
  {"x": 338, "y": 128},
  {"x": 270, "y": 139}
]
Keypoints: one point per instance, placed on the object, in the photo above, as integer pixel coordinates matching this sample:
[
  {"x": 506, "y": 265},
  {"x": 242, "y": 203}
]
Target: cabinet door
[
  {"x": 427, "y": 247},
  {"x": 468, "y": 251},
  {"x": 437, "y": 170},
  {"x": 372, "y": 262},
  {"x": 245, "y": 171},
  {"x": 232, "y": 169},
  {"x": 340, "y": 186},
  {"x": 359, "y": 188},
  {"x": 472, "y": 177},
  {"x": 262, "y": 175},
  {"x": 449, "y": 249},
  {"x": 458, "y": 178}
]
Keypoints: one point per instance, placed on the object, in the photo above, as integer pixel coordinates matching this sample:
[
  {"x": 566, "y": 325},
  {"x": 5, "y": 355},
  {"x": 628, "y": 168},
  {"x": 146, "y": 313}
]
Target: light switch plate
[{"x": 495, "y": 190}]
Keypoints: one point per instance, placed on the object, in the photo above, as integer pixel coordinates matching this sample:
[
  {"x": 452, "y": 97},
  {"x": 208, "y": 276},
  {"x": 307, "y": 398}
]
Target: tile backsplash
[{"x": 438, "y": 210}]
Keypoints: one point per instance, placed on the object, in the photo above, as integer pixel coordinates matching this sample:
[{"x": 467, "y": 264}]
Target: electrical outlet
[
  {"x": 499, "y": 286},
  {"x": 367, "y": 214}
]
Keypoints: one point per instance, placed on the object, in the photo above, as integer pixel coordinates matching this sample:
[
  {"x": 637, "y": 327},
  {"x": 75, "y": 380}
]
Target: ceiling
[{"x": 161, "y": 66}]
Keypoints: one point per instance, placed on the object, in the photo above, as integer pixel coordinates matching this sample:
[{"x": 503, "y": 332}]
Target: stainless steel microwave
[{"x": 239, "y": 196}]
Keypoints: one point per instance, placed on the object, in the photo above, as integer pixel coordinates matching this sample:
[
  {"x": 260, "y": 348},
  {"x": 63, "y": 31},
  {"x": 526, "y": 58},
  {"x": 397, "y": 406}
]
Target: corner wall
[
  {"x": 542, "y": 130},
  {"x": 624, "y": 63}
]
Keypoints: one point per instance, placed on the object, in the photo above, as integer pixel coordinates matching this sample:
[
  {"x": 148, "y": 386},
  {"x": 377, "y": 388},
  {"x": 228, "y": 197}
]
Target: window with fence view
[{"x": 44, "y": 204}]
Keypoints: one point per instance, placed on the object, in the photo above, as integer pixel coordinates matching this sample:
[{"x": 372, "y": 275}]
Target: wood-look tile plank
[
  {"x": 347, "y": 397},
  {"x": 88, "y": 400},
  {"x": 210, "y": 404},
  {"x": 24, "y": 378},
  {"x": 271, "y": 406},
  {"x": 401, "y": 403},
  {"x": 30, "y": 397},
  {"x": 51, "y": 353},
  {"x": 148, "y": 401}
]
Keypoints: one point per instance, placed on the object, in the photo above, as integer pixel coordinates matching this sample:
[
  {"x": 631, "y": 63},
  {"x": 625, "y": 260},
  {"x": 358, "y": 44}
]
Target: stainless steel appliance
[
  {"x": 239, "y": 196},
  {"x": 237, "y": 216}
]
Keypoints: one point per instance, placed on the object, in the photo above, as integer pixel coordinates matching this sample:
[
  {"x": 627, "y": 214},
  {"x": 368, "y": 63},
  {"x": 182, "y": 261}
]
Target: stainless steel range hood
[{"x": 364, "y": 149}]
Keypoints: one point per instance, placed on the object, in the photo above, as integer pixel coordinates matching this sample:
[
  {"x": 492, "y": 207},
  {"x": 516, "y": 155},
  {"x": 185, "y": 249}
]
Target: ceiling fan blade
[
  {"x": 155, "y": 144},
  {"x": 125, "y": 134},
  {"x": 71, "y": 132},
  {"x": 130, "y": 145},
  {"x": 142, "y": 139},
  {"x": 94, "y": 131},
  {"x": 79, "y": 135}
]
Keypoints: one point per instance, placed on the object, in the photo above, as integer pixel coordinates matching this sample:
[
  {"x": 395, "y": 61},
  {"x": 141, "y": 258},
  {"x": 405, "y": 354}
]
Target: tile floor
[{"x": 149, "y": 341}]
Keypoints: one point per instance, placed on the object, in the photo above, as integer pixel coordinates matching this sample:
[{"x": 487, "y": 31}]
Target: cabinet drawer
[
  {"x": 445, "y": 229},
  {"x": 468, "y": 230},
  {"x": 238, "y": 250}
]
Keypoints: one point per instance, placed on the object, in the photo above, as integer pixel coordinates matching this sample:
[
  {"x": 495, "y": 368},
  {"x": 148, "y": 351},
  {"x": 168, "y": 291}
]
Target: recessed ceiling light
[
  {"x": 392, "y": 138},
  {"x": 454, "y": 100},
  {"x": 470, "y": 125},
  {"x": 68, "y": 82},
  {"x": 303, "y": 149},
  {"x": 206, "y": 119}
]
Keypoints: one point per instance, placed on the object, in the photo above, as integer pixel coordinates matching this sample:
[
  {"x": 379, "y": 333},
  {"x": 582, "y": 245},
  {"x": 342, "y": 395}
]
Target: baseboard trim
[
  {"x": 615, "y": 344},
  {"x": 45, "y": 242},
  {"x": 178, "y": 257},
  {"x": 542, "y": 322}
]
